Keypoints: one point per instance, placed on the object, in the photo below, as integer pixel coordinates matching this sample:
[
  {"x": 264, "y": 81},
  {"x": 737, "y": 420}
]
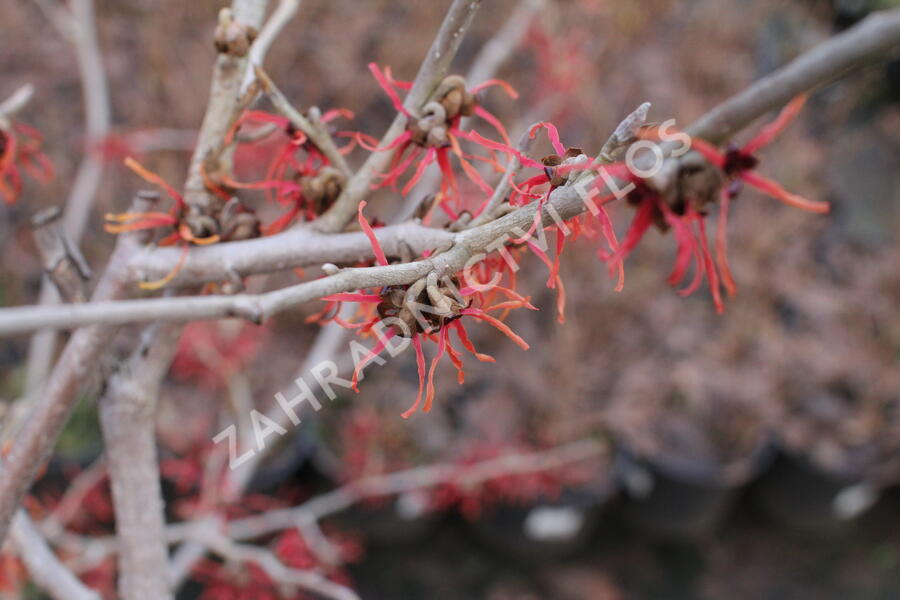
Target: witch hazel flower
[
  {"x": 685, "y": 212},
  {"x": 433, "y": 135},
  {"x": 299, "y": 177},
  {"x": 432, "y": 309},
  {"x": 561, "y": 168},
  {"x": 182, "y": 226},
  {"x": 20, "y": 148},
  {"x": 739, "y": 164}
]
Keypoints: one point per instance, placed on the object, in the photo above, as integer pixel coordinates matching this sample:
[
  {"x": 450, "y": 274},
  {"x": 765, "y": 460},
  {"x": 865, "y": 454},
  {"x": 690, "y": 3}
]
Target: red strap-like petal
[
  {"x": 388, "y": 89},
  {"x": 503, "y": 327},
  {"x": 499, "y": 82},
  {"x": 709, "y": 152},
  {"x": 467, "y": 343},
  {"x": 351, "y": 297},
  {"x": 773, "y": 189},
  {"x": 722, "y": 244},
  {"x": 420, "y": 366},
  {"x": 153, "y": 178},
  {"x": 494, "y": 121},
  {"x": 552, "y": 133},
  {"x": 768, "y": 133},
  {"x": 367, "y": 229},
  {"x": 429, "y": 389},
  {"x": 382, "y": 342}
]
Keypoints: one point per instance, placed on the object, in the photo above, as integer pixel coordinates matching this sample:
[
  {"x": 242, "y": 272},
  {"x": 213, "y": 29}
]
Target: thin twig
[
  {"x": 317, "y": 134},
  {"x": 274, "y": 568},
  {"x": 487, "y": 63},
  {"x": 399, "y": 482},
  {"x": 279, "y": 19},
  {"x": 434, "y": 67},
  {"x": 47, "y": 571},
  {"x": 224, "y": 100},
  {"x": 513, "y": 166},
  {"x": 507, "y": 39},
  {"x": 318, "y": 508},
  {"x": 16, "y": 102},
  {"x": 63, "y": 262}
]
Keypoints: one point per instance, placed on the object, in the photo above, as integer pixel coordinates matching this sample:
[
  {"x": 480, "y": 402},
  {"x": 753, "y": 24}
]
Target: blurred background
[{"x": 754, "y": 454}]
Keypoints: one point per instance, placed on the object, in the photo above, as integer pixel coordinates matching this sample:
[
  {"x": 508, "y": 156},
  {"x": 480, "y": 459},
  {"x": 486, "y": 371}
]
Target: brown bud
[
  {"x": 452, "y": 102},
  {"x": 202, "y": 226},
  {"x": 242, "y": 227},
  {"x": 232, "y": 37},
  {"x": 470, "y": 101}
]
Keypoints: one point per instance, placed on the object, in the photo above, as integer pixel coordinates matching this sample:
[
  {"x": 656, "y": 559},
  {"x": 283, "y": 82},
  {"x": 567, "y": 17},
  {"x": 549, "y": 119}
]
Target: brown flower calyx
[
  {"x": 238, "y": 222},
  {"x": 697, "y": 185},
  {"x": 321, "y": 191},
  {"x": 551, "y": 161},
  {"x": 422, "y": 307},
  {"x": 233, "y": 222},
  {"x": 450, "y": 101},
  {"x": 231, "y": 37}
]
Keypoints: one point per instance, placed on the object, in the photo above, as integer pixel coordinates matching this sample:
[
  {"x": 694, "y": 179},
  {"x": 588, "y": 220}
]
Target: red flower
[
  {"x": 305, "y": 183},
  {"x": 739, "y": 163},
  {"x": 688, "y": 220},
  {"x": 434, "y": 136},
  {"x": 20, "y": 148},
  {"x": 209, "y": 352},
  {"x": 445, "y": 305}
]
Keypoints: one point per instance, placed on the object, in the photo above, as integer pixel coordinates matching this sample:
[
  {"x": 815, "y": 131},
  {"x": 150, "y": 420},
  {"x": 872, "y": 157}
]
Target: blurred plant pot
[
  {"x": 670, "y": 497},
  {"x": 839, "y": 441},
  {"x": 369, "y": 440},
  {"x": 405, "y": 519},
  {"x": 547, "y": 528},
  {"x": 291, "y": 461},
  {"x": 806, "y": 498}
]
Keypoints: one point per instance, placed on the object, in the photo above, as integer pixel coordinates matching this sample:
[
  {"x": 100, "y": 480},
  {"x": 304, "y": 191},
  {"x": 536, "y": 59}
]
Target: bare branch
[
  {"x": 44, "y": 567},
  {"x": 279, "y": 19},
  {"x": 485, "y": 66},
  {"x": 95, "y": 92},
  {"x": 467, "y": 477},
  {"x": 500, "y": 47},
  {"x": 867, "y": 41},
  {"x": 80, "y": 29},
  {"x": 224, "y": 96},
  {"x": 128, "y": 419},
  {"x": 835, "y": 52},
  {"x": 625, "y": 132},
  {"x": 274, "y": 568},
  {"x": 298, "y": 247},
  {"x": 35, "y": 438},
  {"x": 71, "y": 502},
  {"x": 63, "y": 261},
  {"x": 16, "y": 102}
]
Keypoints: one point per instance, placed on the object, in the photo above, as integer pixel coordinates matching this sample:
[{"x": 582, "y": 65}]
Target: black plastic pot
[
  {"x": 549, "y": 528},
  {"x": 801, "y": 496},
  {"x": 672, "y": 498}
]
